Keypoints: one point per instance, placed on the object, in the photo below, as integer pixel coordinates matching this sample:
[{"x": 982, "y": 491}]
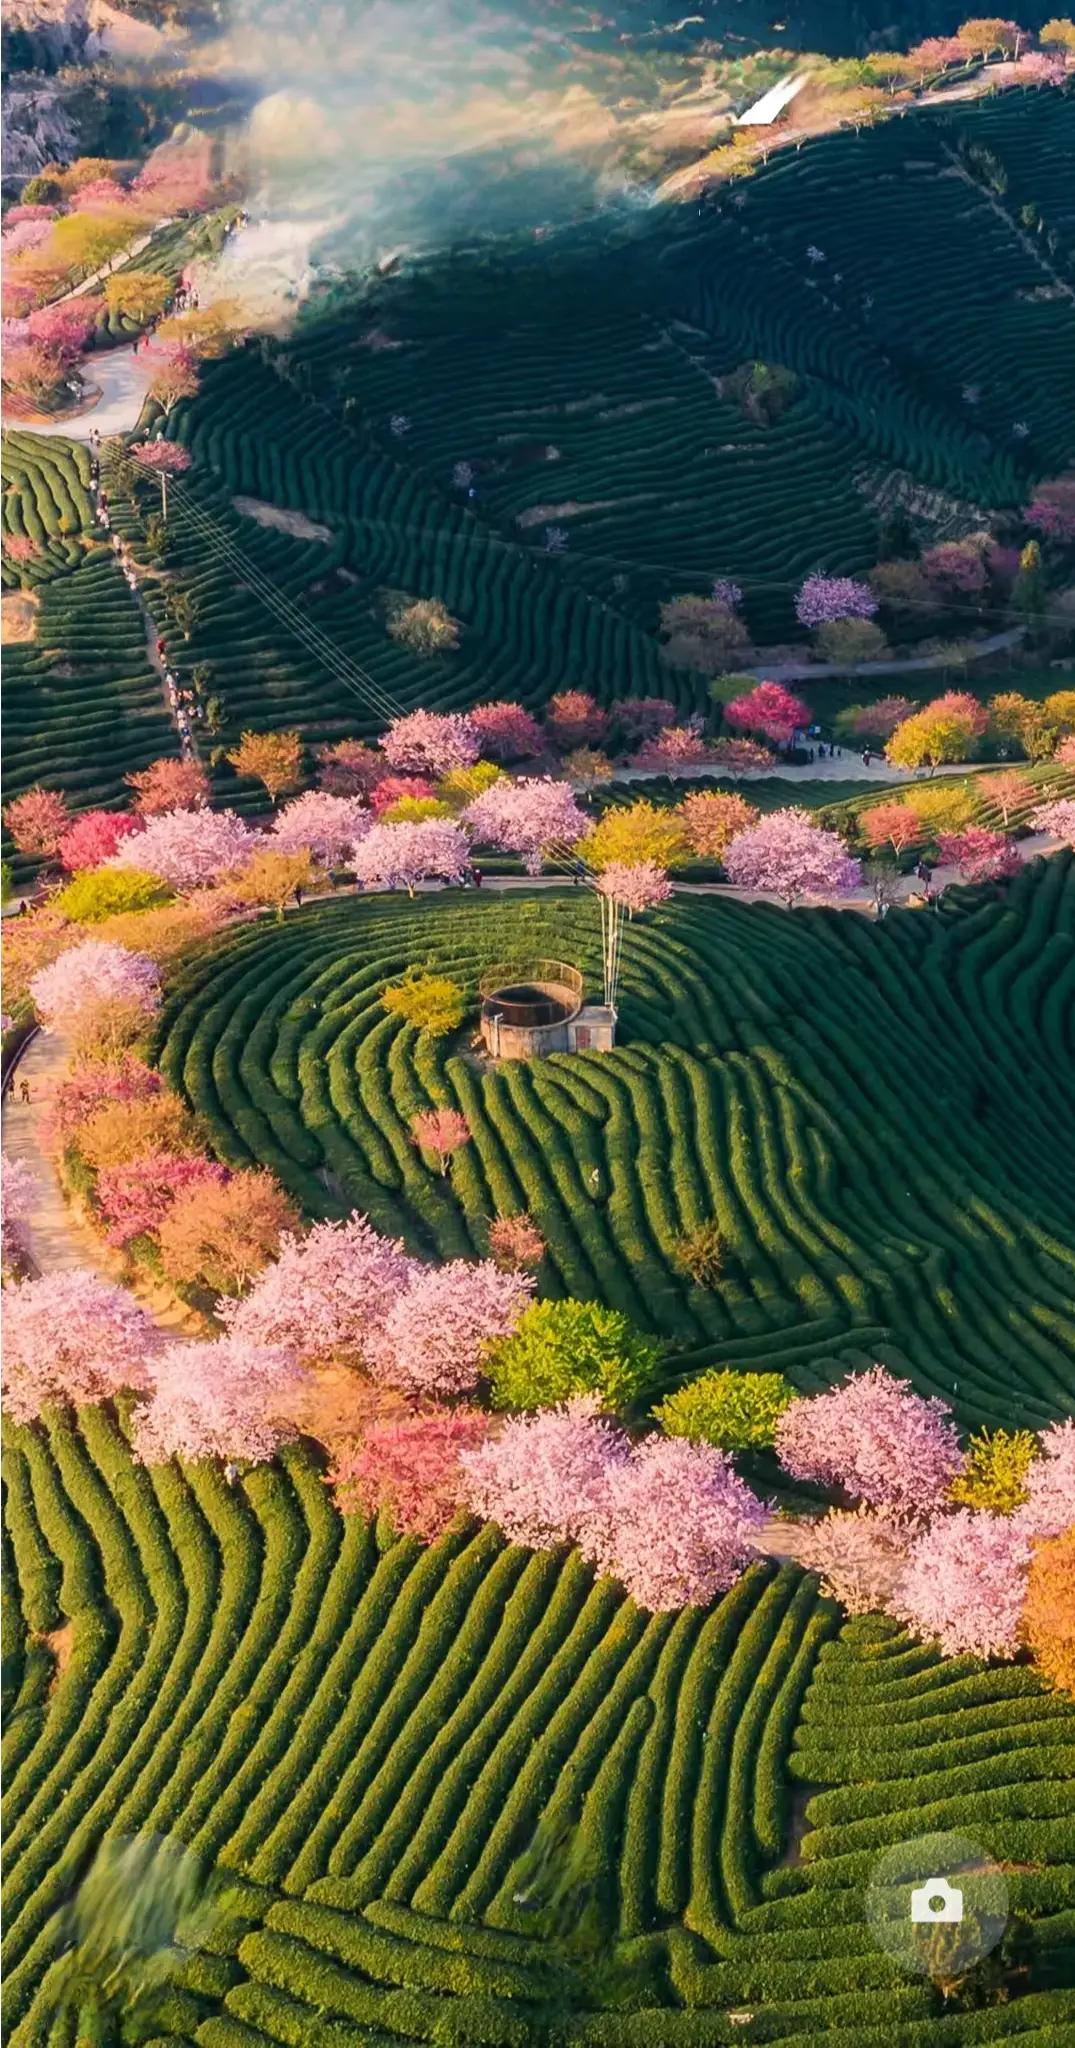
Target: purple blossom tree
[
  {"x": 877, "y": 1439},
  {"x": 1057, "y": 818},
  {"x": 787, "y": 854},
  {"x": 822, "y": 599},
  {"x": 677, "y": 1524},
  {"x": 328, "y": 825},
  {"x": 324, "y": 1293},
  {"x": 89, "y": 975},
  {"x": 526, "y": 817},
  {"x": 189, "y": 849},
  {"x": 543, "y": 1479},
  {"x": 432, "y": 742},
  {"x": 221, "y": 1400},
  {"x": 964, "y": 1584},
  {"x": 724, "y": 591},
  {"x": 435, "y": 1334},
  {"x": 399, "y": 856},
  {"x": 71, "y": 1337}
]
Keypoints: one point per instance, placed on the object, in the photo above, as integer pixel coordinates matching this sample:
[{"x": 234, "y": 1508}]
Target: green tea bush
[{"x": 736, "y": 1410}]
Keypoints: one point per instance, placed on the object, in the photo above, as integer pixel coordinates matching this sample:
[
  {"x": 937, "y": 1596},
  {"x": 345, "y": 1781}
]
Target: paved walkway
[
  {"x": 817, "y": 671},
  {"x": 58, "y": 1242},
  {"x": 122, "y": 379}
]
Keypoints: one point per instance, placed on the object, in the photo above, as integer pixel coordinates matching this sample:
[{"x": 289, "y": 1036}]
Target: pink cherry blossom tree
[
  {"x": 964, "y": 1584},
  {"x": 1049, "y": 1507},
  {"x": 822, "y": 599},
  {"x": 436, "y": 1333},
  {"x": 134, "y": 1198},
  {"x": 575, "y": 719},
  {"x": 94, "y": 837},
  {"x": 543, "y": 1479},
  {"x": 516, "y": 1241},
  {"x": 328, "y": 825},
  {"x": 407, "y": 1468},
  {"x": 37, "y": 821},
  {"x": 440, "y": 1131},
  {"x": 18, "y": 1194},
  {"x": 636, "y": 888},
  {"x": 190, "y": 849},
  {"x": 1057, "y": 818},
  {"x": 877, "y": 1439},
  {"x": 526, "y": 817},
  {"x": 787, "y": 854},
  {"x": 71, "y": 1337},
  {"x": 399, "y": 856},
  {"x": 220, "y": 1400},
  {"x": 324, "y": 1293},
  {"x": 506, "y": 731},
  {"x": 432, "y": 742},
  {"x": 677, "y": 1525},
  {"x": 93, "y": 973},
  {"x": 980, "y": 854},
  {"x": 165, "y": 458},
  {"x": 878, "y": 721},
  {"x": 66, "y": 328},
  {"x": 770, "y": 710}
]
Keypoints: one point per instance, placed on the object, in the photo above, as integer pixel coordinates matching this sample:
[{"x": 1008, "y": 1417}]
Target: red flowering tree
[
  {"x": 37, "y": 821},
  {"x": 435, "y": 1335},
  {"x": 222, "y": 1400},
  {"x": 171, "y": 784},
  {"x": 876, "y": 1439},
  {"x": 135, "y": 1197},
  {"x": 407, "y": 1468},
  {"x": 394, "y": 789},
  {"x": 506, "y": 731},
  {"x": 979, "y": 854},
  {"x": 769, "y": 710},
  {"x": 324, "y": 1293},
  {"x": 65, "y": 329},
  {"x": 431, "y": 742},
  {"x": 528, "y": 817},
  {"x": 71, "y": 1337},
  {"x": 876, "y": 721},
  {"x": 787, "y": 854},
  {"x": 349, "y": 768},
  {"x": 440, "y": 1131},
  {"x": 575, "y": 719},
  {"x": 94, "y": 837}
]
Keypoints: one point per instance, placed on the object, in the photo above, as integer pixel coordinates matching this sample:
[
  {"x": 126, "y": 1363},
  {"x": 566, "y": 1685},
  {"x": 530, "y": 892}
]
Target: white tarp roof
[{"x": 772, "y": 102}]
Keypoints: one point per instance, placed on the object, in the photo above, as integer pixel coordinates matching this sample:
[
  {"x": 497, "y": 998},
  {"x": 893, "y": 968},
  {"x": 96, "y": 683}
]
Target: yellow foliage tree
[
  {"x": 82, "y": 242},
  {"x": 929, "y": 737},
  {"x": 634, "y": 833},
  {"x": 119, "y": 1131},
  {"x": 272, "y": 879},
  {"x": 271, "y": 758},
  {"x": 141, "y": 294},
  {"x": 429, "y": 1001},
  {"x": 941, "y": 808}
]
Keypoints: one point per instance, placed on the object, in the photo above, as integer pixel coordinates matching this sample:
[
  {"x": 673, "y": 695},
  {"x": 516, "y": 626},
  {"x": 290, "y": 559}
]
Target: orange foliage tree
[
  {"x": 219, "y": 1237},
  {"x": 1049, "y": 1613},
  {"x": 119, "y": 1131}
]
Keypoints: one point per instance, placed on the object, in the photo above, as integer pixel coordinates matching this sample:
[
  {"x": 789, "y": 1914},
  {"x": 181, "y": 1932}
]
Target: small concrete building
[{"x": 534, "y": 1007}]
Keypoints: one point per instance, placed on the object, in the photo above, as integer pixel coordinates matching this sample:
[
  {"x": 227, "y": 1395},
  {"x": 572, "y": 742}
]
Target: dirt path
[{"x": 817, "y": 671}]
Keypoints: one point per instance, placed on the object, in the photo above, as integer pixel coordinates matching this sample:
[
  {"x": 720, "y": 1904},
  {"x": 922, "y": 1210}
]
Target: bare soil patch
[
  {"x": 18, "y": 616},
  {"x": 284, "y": 520}
]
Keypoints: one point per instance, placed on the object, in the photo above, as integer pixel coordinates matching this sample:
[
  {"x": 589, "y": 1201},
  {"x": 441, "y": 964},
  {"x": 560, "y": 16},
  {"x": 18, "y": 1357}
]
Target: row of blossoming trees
[{"x": 69, "y": 224}]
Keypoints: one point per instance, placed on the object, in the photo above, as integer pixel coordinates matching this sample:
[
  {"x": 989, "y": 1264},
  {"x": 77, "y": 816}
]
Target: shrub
[
  {"x": 563, "y": 1348},
  {"x": 516, "y": 1241},
  {"x": 426, "y": 627},
  {"x": 699, "y": 1253},
  {"x": 848, "y": 642},
  {"x": 737, "y": 1411},
  {"x": 106, "y": 892},
  {"x": 575, "y": 719},
  {"x": 430, "y": 1002},
  {"x": 994, "y": 1476}
]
